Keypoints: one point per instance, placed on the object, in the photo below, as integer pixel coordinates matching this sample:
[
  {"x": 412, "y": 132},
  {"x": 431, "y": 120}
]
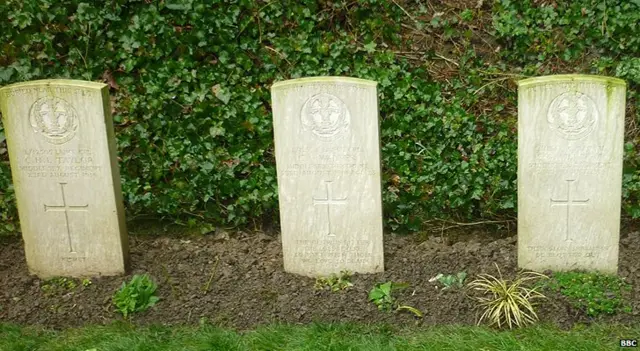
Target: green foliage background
[{"x": 190, "y": 92}]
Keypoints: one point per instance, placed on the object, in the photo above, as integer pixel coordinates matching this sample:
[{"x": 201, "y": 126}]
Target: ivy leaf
[
  {"x": 180, "y": 5},
  {"x": 222, "y": 94},
  {"x": 21, "y": 19},
  {"x": 207, "y": 166},
  {"x": 370, "y": 47},
  {"x": 508, "y": 204},
  {"x": 5, "y": 74},
  {"x": 216, "y": 131}
]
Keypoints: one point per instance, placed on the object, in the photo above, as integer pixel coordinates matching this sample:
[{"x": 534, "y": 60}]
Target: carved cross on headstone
[
  {"x": 329, "y": 200},
  {"x": 569, "y": 201},
  {"x": 66, "y": 209}
]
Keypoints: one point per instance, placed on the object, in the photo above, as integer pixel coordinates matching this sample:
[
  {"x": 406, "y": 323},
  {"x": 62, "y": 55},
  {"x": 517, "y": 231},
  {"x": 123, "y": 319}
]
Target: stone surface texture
[
  {"x": 570, "y": 143},
  {"x": 65, "y": 173},
  {"x": 328, "y": 163}
]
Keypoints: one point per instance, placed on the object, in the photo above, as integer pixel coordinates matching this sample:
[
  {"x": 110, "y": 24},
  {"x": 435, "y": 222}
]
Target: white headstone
[
  {"x": 570, "y": 142},
  {"x": 328, "y": 162},
  {"x": 65, "y": 173}
]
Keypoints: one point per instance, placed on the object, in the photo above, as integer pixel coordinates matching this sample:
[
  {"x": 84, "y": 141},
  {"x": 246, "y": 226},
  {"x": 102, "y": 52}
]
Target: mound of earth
[{"x": 237, "y": 280}]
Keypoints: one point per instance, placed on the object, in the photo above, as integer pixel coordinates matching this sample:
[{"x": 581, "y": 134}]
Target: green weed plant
[
  {"x": 334, "y": 282},
  {"x": 58, "y": 285},
  {"x": 593, "y": 293},
  {"x": 136, "y": 296},
  {"x": 381, "y": 296},
  {"x": 452, "y": 281}
]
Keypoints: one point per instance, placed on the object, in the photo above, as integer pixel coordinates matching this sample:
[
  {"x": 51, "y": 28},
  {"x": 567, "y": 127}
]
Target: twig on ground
[
  {"x": 279, "y": 54},
  {"x": 448, "y": 60},
  {"x": 167, "y": 277},
  {"x": 459, "y": 224},
  {"x": 503, "y": 74},
  {"x": 494, "y": 81},
  {"x": 213, "y": 272},
  {"x": 405, "y": 11},
  {"x": 194, "y": 214},
  {"x": 416, "y": 30}
]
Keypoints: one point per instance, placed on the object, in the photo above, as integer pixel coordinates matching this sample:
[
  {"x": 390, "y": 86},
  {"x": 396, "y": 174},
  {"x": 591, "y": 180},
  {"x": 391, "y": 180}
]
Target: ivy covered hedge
[{"x": 190, "y": 92}]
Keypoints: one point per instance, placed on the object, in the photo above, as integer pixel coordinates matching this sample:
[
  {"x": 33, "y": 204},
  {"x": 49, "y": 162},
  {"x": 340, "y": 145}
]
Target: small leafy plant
[
  {"x": 381, "y": 296},
  {"x": 136, "y": 296},
  {"x": 57, "y": 285},
  {"x": 509, "y": 303},
  {"x": 335, "y": 282},
  {"x": 451, "y": 281},
  {"x": 594, "y": 293}
]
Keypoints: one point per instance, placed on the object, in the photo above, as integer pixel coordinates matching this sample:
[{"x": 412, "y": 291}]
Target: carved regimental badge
[
  {"x": 325, "y": 115},
  {"x": 573, "y": 115},
  {"x": 55, "y": 119}
]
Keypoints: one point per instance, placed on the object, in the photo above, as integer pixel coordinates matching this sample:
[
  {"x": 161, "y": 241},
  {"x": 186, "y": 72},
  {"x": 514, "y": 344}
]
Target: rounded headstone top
[
  {"x": 568, "y": 78},
  {"x": 56, "y": 82},
  {"x": 338, "y": 80}
]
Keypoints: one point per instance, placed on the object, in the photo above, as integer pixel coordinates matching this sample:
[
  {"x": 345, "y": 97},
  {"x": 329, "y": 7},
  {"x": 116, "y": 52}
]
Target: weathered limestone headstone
[
  {"x": 65, "y": 173},
  {"x": 328, "y": 162},
  {"x": 570, "y": 141}
]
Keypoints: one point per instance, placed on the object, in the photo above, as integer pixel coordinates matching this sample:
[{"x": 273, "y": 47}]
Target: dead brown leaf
[{"x": 108, "y": 78}]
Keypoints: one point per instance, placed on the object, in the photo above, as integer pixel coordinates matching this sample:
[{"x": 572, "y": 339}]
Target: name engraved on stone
[
  {"x": 324, "y": 88},
  {"x": 55, "y": 119},
  {"x": 326, "y": 169},
  {"x": 329, "y": 200},
  {"x": 327, "y": 161},
  {"x": 44, "y": 90},
  {"x": 569, "y": 155},
  {"x": 66, "y": 209},
  {"x": 53, "y": 163},
  {"x": 540, "y": 248},
  {"x": 573, "y": 115},
  {"x": 570, "y": 251},
  {"x": 327, "y": 251},
  {"x": 327, "y": 154},
  {"x": 326, "y": 116},
  {"x": 569, "y": 201},
  {"x": 566, "y": 254},
  {"x": 594, "y": 168}
]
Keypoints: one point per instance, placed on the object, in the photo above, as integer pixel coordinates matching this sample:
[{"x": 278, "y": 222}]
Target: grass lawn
[{"x": 124, "y": 337}]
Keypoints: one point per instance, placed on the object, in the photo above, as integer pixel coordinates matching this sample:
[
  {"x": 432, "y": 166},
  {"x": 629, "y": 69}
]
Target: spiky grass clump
[{"x": 509, "y": 302}]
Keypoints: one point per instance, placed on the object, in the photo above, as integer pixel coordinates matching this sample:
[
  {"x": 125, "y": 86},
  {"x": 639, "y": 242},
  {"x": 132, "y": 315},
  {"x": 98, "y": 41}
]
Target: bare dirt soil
[{"x": 250, "y": 288}]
